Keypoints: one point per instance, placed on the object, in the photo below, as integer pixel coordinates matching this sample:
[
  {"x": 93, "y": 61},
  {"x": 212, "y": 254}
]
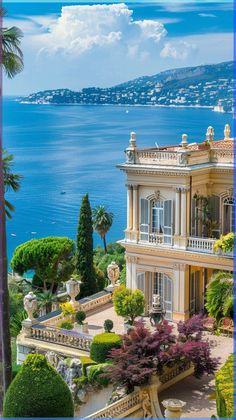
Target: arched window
[{"x": 228, "y": 215}]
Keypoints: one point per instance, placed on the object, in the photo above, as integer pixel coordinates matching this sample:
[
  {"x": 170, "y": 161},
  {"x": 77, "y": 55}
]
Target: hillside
[{"x": 205, "y": 86}]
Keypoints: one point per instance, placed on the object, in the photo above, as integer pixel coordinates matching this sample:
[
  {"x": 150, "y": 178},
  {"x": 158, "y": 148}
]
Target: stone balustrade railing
[
  {"x": 222, "y": 156},
  {"x": 201, "y": 244},
  {"x": 184, "y": 157},
  {"x": 86, "y": 305},
  {"x": 154, "y": 157},
  {"x": 61, "y": 336},
  {"x": 96, "y": 303},
  {"x": 125, "y": 406},
  {"x": 133, "y": 402}
]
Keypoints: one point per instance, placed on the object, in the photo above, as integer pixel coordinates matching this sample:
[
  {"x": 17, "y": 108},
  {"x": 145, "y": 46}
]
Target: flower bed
[{"x": 225, "y": 389}]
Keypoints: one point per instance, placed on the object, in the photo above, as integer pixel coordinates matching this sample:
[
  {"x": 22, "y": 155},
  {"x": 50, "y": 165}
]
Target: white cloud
[
  {"x": 103, "y": 45},
  {"x": 178, "y": 50},
  {"x": 82, "y": 28}
]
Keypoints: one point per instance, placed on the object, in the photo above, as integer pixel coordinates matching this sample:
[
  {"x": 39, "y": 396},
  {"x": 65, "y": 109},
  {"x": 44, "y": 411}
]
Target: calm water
[{"x": 76, "y": 149}]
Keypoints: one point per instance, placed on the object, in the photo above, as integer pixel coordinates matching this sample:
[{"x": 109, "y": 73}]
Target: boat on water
[
  {"x": 63, "y": 192},
  {"x": 218, "y": 108}
]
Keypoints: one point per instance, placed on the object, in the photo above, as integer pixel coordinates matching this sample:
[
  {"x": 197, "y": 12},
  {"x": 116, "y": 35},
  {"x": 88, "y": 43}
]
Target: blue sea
[{"x": 76, "y": 149}]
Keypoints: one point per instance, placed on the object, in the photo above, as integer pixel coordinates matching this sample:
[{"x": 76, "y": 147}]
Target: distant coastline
[{"x": 209, "y": 86}]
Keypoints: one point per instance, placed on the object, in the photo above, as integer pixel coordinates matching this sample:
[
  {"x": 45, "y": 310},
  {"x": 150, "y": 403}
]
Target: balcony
[
  {"x": 195, "y": 244},
  {"x": 205, "y": 245}
]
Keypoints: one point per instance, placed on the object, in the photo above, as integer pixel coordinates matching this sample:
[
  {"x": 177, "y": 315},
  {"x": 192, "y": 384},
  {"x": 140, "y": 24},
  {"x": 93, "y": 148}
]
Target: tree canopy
[
  {"x": 128, "y": 303},
  {"x": 50, "y": 259},
  {"x": 84, "y": 263}
]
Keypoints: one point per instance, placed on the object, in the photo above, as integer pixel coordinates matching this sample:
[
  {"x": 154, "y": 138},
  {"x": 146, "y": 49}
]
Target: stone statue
[
  {"x": 130, "y": 156},
  {"x": 210, "y": 133},
  {"x": 30, "y": 305},
  {"x": 146, "y": 405},
  {"x": 73, "y": 289},
  {"x": 113, "y": 273},
  {"x": 52, "y": 358}
]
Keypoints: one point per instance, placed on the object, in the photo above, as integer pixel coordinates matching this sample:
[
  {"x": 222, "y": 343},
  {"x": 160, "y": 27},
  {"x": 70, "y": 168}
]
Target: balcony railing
[
  {"x": 62, "y": 337},
  {"x": 205, "y": 245}
]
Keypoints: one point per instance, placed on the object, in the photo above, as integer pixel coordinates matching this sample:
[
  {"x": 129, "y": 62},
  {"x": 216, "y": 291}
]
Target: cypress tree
[{"x": 84, "y": 263}]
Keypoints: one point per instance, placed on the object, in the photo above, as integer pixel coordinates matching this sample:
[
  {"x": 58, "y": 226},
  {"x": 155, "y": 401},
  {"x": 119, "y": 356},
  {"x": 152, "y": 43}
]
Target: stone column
[
  {"x": 183, "y": 212},
  {"x": 128, "y": 272},
  {"x": 177, "y": 212},
  {"x": 181, "y": 292},
  {"x": 135, "y": 211},
  {"x": 129, "y": 207}
]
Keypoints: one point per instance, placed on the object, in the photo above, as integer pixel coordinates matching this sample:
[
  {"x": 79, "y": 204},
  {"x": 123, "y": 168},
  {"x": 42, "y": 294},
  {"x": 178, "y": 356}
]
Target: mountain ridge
[{"x": 201, "y": 86}]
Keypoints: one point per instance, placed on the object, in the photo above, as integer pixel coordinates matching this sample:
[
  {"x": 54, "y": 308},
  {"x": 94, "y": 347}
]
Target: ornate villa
[{"x": 179, "y": 201}]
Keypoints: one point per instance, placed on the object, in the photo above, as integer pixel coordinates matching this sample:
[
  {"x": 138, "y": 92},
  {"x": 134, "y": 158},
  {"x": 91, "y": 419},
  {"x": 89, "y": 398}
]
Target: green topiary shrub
[
  {"x": 38, "y": 391},
  {"x": 108, "y": 325},
  {"x": 102, "y": 345},
  {"x": 86, "y": 361},
  {"x": 66, "y": 325},
  {"x": 225, "y": 389},
  {"x": 80, "y": 317},
  {"x": 95, "y": 376}
]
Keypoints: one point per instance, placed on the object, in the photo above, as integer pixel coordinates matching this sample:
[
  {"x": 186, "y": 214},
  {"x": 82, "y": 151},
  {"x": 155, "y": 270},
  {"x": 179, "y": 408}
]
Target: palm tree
[
  {"x": 46, "y": 299},
  {"x": 102, "y": 221},
  {"x": 11, "y": 180},
  {"x": 11, "y": 59}
]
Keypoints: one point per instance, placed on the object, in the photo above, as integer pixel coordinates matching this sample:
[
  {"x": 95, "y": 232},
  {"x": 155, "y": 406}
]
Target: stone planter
[{"x": 81, "y": 328}]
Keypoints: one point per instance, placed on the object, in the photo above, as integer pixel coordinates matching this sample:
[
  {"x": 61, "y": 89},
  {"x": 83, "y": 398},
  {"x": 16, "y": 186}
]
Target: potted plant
[{"x": 80, "y": 325}]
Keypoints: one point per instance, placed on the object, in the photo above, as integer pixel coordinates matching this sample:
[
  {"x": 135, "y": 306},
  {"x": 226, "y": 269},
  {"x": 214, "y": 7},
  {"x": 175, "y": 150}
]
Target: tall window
[
  {"x": 228, "y": 215},
  {"x": 156, "y": 217},
  {"x": 205, "y": 217}
]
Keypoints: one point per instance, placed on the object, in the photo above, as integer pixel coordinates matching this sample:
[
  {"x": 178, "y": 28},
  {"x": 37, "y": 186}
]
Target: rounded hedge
[
  {"x": 38, "y": 391},
  {"x": 102, "y": 344}
]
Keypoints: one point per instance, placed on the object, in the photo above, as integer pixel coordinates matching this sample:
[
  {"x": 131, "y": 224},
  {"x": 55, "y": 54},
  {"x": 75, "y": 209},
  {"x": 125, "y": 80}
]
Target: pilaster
[
  {"x": 181, "y": 292},
  {"x": 135, "y": 212}
]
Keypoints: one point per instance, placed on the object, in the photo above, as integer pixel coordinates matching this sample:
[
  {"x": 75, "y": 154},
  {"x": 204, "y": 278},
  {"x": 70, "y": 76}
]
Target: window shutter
[
  {"x": 141, "y": 281},
  {"x": 168, "y": 221},
  {"x": 144, "y": 219}
]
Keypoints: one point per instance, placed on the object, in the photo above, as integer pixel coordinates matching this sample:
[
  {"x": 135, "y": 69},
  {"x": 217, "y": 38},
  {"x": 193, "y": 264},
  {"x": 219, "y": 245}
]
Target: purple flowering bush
[{"x": 145, "y": 352}]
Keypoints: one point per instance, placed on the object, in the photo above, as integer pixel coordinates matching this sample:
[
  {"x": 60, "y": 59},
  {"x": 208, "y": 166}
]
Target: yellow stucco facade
[{"x": 179, "y": 201}]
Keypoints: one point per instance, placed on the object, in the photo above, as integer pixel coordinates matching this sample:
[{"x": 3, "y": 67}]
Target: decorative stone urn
[
  {"x": 113, "y": 273},
  {"x": 30, "y": 305},
  {"x": 173, "y": 408},
  {"x": 73, "y": 289}
]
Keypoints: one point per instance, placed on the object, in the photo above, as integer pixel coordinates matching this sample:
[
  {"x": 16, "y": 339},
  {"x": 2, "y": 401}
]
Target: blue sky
[{"x": 75, "y": 45}]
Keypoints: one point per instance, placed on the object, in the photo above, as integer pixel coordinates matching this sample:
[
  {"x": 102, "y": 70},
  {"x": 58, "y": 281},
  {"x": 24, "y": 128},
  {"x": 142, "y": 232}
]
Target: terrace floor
[{"x": 195, "y": 392}]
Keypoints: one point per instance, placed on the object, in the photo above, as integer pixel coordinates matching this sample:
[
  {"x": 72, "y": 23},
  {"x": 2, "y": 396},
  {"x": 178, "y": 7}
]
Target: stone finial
[
  {"x": 113, "y": 273},
  {"x": 227, "y": 132},
  {"x": 132, "y": 140},
  {"x": 184, "y": 142},
  {"x": 30, "y": 305},
  {"x": 210, "y": 133},
  {"x": 73, "y": 289},
  {"x": 173, "y": 408}
]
